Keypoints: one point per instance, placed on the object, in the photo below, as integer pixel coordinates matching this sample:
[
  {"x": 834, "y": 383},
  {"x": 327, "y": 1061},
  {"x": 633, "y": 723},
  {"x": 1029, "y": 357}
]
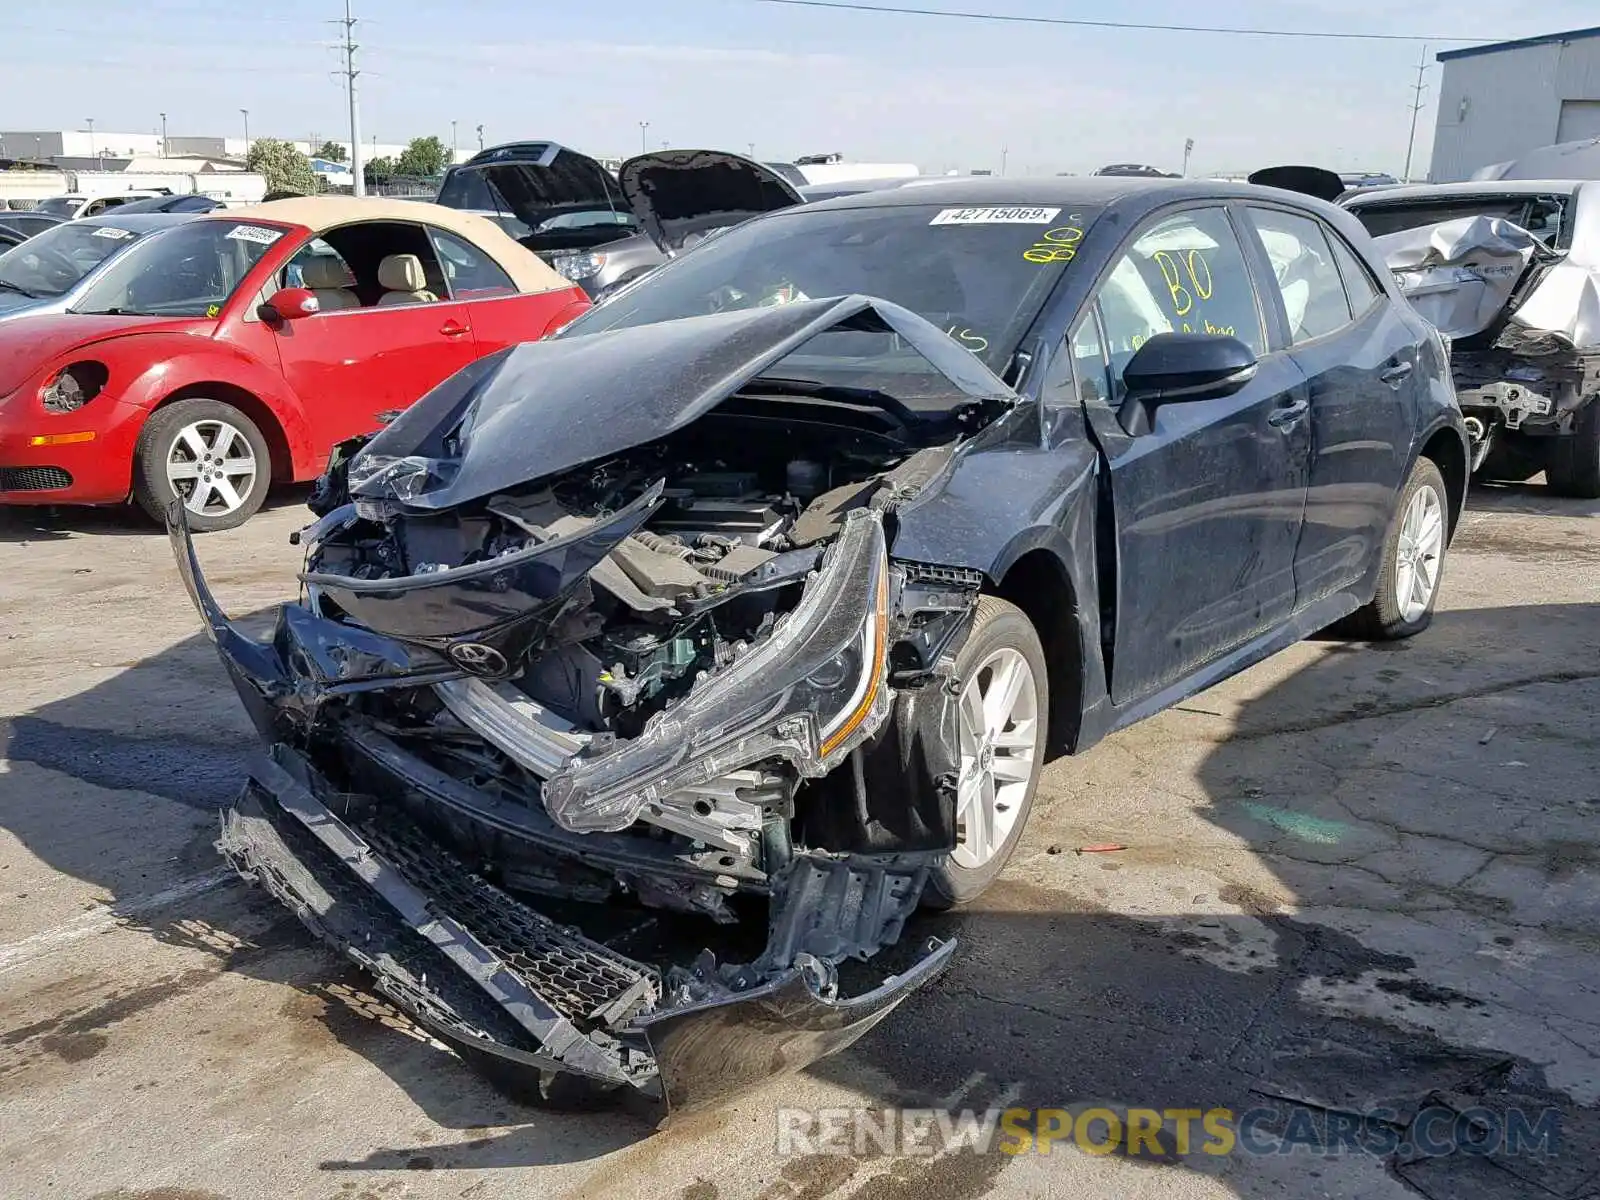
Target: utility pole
[
  {"x": 164, "y": 147},
  {"x": 246, "y": 114},
  {"x": 644, "y": 147},
  {"x": 357, "y": 174},
  {"x": 1419, "y": 87}
]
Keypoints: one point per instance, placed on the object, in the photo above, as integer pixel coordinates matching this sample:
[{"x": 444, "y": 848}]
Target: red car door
[
  {"x": 501, "y": 316},
  {"x": 347, "y": 366}
]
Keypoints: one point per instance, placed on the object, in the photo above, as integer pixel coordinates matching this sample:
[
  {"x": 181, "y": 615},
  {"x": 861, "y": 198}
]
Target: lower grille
[
  {"x": 34, "y": 479},
  {"x": 588, "y": 983}
]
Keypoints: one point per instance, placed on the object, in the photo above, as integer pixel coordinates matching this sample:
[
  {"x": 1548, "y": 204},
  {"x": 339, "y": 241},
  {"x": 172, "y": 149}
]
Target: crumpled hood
[
  {"x": 27, "y": 343},
  {"x": 1463, "y": 274},
  {"x": 544, "y": 407},
  {"x": 678, "y": 194}
]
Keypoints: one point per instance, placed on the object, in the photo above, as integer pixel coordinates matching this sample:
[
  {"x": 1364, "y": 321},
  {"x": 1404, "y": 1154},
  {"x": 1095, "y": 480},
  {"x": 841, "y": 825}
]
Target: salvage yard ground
[{"x": 1354, "y": 877}]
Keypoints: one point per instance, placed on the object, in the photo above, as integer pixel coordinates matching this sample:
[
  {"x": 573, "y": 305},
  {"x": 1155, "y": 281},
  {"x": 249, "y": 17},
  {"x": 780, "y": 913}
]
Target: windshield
[
  {"x": 51, "y": 263},
  {"x": 58, "y": 206},
  {"x": 189, "y": 271},
  {"x": 1542, "y": 216},
  {"x": 980, "y": 275}
]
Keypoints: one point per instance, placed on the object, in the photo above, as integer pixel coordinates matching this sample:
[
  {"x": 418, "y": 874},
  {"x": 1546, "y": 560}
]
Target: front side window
[
  {"x": 1184, "y": 274},
  {"x": 1303, "y": 265},
  {"x": 189, "y": 271},
  {"x": 55, "y": 261},
  {"x": 472, "y": 274}
]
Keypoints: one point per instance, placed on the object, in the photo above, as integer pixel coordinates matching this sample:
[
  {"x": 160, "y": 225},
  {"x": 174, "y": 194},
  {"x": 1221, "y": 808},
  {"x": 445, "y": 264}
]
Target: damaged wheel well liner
[{"x": 1038, "y": 584}]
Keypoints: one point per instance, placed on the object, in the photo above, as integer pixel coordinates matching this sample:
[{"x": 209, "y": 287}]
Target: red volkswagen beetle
[{"x": 235, "y": 350}]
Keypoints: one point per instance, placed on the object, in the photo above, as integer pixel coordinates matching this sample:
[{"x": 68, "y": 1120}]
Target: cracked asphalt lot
[{"x": 1355, "y": 878}]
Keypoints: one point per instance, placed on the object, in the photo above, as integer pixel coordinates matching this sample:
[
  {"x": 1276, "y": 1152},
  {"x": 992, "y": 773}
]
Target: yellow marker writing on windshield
[{"x": 1055, "y": 245}]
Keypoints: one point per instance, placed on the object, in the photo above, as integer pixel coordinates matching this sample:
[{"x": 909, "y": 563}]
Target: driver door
[{"x": 1209, "y": 503}]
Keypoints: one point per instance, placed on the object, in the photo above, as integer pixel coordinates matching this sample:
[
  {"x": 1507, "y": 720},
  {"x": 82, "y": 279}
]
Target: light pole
[
  {"x": 480, "y": 137},
  {"x": 92, "y": 154},
  {"x": 751, "y": 146},
  {"x": 245, "y": 112},
  {"x": 163, "y": 135},
  {"x": 452, "y": 142},
  {"x": 1005, "y": 152},
  {"x": 644, "y": 127}
]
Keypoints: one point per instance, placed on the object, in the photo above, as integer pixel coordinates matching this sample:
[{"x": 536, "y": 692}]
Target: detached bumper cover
[{"x": 547, "y": 1013}]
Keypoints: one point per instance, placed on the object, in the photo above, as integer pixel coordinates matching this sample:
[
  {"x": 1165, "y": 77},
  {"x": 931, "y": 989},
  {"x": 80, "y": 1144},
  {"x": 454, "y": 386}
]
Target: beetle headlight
[
  {"x": 73, "y": 387},
  {"x": 578, "y": 266}
]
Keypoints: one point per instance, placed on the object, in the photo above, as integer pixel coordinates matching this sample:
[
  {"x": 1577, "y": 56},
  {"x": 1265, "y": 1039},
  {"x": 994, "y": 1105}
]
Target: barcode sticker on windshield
[
  {"x": 995, "y": 216},
  {"x": 106, "y": 231},
  {"x": 258, "y": 234}
]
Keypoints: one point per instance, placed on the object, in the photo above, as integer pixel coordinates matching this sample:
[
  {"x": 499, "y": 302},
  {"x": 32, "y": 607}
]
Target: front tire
[
  {"x": 1413, "y": 560},
  {"x": 207, "y": 454},
  {"x": 1004, "y": 714},
  {"x": 1574, "y": 465}
]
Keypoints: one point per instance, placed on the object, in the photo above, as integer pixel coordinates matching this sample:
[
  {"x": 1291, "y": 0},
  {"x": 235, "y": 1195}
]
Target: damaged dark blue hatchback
[{"x": 647, "y": 680}]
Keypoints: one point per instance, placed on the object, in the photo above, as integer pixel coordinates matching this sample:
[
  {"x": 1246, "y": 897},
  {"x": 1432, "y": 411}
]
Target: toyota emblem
[{"x": 478, "y": 658}]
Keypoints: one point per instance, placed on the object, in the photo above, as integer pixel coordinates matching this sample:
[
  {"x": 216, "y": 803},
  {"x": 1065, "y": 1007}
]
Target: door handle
[
  {"x": 1288, "y": 414},
  {"x": 453, "y": 329},
  {"x": 1395, "y": 374}
]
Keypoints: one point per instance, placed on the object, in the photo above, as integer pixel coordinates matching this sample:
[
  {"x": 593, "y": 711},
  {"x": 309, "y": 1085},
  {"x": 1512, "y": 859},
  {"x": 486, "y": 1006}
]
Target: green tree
[
  {"x": 379, "y": 170},
  {"x": 425, "y": 156},
  {"x": 283, "y": 167},
  {"x": 332, "y": 151}
]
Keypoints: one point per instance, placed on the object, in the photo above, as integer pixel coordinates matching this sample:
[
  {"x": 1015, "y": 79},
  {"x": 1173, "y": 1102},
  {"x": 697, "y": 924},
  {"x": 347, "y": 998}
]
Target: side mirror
[
  {"x": 289, "y": 304},
  {"x": 1176, "y": 367}
]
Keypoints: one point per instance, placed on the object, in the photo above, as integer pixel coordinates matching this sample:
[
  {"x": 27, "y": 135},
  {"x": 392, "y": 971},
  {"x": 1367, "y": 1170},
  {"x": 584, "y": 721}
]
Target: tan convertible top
[{"x": 320, "y": 213}]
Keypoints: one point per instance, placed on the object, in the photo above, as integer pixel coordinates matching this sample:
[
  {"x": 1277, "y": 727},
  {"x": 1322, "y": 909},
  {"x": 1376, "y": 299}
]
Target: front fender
[{"x": 157, "y": 365}]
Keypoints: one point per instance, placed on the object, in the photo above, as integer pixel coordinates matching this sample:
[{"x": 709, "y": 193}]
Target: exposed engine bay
[{"x": 676, "y": 687}]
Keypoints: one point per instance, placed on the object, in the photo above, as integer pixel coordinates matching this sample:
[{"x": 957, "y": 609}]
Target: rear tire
[
  {"x": 208, "y": 454},
  {"x": 1002, "y": 747},
  {"x": 1413, "y": 561},
  {"x": 1574, "y": 465}
]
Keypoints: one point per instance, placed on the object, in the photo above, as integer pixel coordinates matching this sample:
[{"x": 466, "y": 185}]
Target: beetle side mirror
[
  {"x": 1174, "y": 368},
  {"x": 289, "y": 304}
]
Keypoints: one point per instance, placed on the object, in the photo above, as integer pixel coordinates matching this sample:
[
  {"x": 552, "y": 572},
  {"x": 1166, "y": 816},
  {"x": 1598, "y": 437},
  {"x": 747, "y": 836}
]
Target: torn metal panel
[{"x": 1461, "y": 274}]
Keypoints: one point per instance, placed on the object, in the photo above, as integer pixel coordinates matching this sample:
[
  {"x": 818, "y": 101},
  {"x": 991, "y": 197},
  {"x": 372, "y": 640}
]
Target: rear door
[
  {"x": 1208, "y": 503},
  {"x": 1360, "y": 359}
]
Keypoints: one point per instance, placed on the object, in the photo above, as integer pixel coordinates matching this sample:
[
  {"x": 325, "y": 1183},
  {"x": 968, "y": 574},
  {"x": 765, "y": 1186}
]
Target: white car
[
  {"x": 1509, "y": 270},
  {"x": 73, "y": 205}
]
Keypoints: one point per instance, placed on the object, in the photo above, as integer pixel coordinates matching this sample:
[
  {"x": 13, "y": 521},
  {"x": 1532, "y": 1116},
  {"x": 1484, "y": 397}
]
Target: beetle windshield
[{"x": 190, "y": 271}]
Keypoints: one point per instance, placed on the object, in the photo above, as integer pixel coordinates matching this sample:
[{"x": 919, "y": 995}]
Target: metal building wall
[{"x": 1500, "y": 104}]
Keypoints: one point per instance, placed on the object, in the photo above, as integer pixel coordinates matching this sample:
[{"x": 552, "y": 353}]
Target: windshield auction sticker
[
  {"x": 109, "y": 231},
  {"x": 259, "y": 234},
  {"x": 995, "y": 216}
]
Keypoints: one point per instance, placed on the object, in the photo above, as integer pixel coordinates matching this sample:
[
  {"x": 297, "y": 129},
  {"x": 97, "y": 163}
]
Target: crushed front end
[{"x": 615, "y": 779}]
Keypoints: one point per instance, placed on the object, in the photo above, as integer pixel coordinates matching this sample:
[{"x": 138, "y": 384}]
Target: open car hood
[
  {"x": 1309, "y": 181},
  {"x": 548, "y": 406},
  {"x": 535, "y": 179},
  {"x": 681, "y": 196}
]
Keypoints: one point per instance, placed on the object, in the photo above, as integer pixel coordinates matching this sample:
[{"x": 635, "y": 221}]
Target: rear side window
[
  {"x": 1307, "y": 276},
  {"x": 473, "y": 275},
  {"x": 1358, "y": 281}
]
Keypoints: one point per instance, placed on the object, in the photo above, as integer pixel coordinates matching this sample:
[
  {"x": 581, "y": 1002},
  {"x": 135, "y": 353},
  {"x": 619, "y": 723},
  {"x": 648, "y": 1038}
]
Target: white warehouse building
[{"x": 1499, "y": 101}]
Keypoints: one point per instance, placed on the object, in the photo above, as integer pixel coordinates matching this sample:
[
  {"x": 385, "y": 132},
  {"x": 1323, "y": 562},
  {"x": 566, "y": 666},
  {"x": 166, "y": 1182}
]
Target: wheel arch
[
  {"x": 1039, "y": 584},
  {"x": 252, "y": 406},
  {"x": 1445, "y": 449}
]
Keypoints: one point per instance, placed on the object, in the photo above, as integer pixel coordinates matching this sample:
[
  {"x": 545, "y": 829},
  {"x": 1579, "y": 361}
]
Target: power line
[{"x": 1017, "y": 19}]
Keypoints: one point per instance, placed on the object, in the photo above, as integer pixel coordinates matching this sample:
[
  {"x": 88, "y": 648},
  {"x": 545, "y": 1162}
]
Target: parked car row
[{"x": 743, "y": 610}]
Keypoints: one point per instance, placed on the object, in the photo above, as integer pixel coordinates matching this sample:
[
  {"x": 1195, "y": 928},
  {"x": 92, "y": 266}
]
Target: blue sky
[{"x": 942, "y": 93}]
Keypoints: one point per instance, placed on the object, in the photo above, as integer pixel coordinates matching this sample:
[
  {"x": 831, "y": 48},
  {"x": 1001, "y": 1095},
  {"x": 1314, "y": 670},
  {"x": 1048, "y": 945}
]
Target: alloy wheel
[
  {"x": 1418, "y": 553},
  {"x": 999, "y": 735},
  {"x": 211, "y": 467}
]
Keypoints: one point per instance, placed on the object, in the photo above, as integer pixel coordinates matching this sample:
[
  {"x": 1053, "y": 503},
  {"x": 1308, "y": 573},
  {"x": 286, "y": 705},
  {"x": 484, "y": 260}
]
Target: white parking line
[{"x": 108, "y": 916}]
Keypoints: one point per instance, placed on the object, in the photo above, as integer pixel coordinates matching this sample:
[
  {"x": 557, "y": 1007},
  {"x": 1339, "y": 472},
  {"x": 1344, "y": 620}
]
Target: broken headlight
[
  {"x": 73, "y": 387},
  {"x": 808, "y": 694}
]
